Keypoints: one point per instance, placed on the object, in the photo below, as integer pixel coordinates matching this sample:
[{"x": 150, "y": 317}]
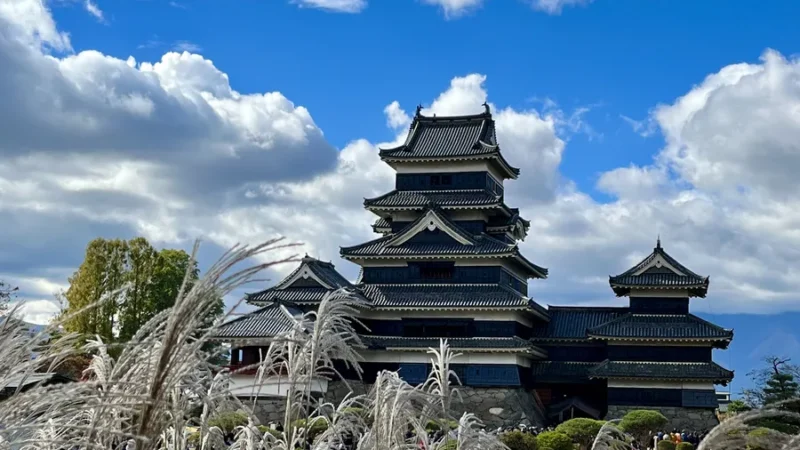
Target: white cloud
[
  {"x": 93, "y": 9},
  {"x": 456, "y": 8},
  {"x": 555, "y": 7},
  {"x": 343, "y": 6},
  {"x": 186, "y": 46},
  {"x": 100, "y": 146}
]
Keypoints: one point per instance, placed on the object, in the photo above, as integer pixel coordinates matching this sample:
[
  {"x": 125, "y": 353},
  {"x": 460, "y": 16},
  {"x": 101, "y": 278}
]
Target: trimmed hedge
[
  {"x": 684, "y": 446},
  {"x": 517, "y": 440},
  {"x": 553, "y": 440},
  {"x": 665, "y": 445},
  {"x": 228, "y": 421}
]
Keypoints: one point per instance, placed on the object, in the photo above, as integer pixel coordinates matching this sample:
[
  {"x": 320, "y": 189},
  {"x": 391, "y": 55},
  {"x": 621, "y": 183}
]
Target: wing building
[{"x": 446, "y": 264}]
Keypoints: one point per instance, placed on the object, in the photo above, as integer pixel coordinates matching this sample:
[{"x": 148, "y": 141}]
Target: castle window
[
  {"x": 435, "y": 180},
  {"x": 436, "y": 271},
  {"x": 447, "y": 180}
]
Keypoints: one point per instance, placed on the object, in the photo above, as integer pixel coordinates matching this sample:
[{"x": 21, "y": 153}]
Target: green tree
[
  {"x": 775, "y": 383},
  {"x": 553, "y": 440},
  {"x": 684, "y": 446},
  {"x": 135, "y": 282},
  {"x": 96, "y": 283},
  {"x": 640, "y": 423},
  {"x": 738, "y": 406},
  {"x": 581, "y": 431}
]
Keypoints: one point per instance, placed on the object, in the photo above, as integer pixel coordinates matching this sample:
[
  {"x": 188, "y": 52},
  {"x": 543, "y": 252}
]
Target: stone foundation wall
[
  {"x": 269, "y": 409},
  {"x": 694, "y": 419},
  {"x": 496, "y": 407}
]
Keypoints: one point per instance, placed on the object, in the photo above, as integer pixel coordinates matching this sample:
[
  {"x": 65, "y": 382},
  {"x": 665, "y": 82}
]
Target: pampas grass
[{"x": 162, "y": 383}]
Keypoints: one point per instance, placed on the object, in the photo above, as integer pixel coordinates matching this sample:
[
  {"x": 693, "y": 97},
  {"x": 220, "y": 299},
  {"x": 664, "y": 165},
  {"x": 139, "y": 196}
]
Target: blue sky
[{"x": 239, "y": 121}]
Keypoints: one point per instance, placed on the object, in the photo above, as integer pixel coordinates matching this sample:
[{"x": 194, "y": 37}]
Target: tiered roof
[
  {"x": 660, "y": 327},
  {"x": 479, "y": 344},
  {"x": 448, "y": 296},
  {"x": 683, "y": 371},
  {"x": 659, "y": 271},
  {"x": 266, "y": 322},
  {"x": 570, "y": 323},
  {"x": 462, "y": 244},
  {"x": 306, "y": 285},
  {"x": 453, "y": 138}
]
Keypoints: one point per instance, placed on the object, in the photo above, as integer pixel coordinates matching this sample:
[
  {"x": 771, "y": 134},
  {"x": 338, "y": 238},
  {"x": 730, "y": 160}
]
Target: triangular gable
[
  {"x": 430, "y": 221},
  {"x": 313, "y": 273},
  {"x": 660, "y": 262}
]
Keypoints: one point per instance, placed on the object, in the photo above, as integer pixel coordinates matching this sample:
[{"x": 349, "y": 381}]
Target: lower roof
[
  {"x": 487, "y": 344},
  {"x": 447, "y": 296},
  {"x": 695, "y": 371}
]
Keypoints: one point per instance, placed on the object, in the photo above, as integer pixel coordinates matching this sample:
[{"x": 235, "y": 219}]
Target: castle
[{"x": 447, "y": 265}]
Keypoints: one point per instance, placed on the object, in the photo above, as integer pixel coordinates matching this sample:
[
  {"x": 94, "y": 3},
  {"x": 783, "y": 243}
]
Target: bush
[
  {"x": 267, "y": 430},
  {"x": 553, "y": 440},
  {"x": 436, "y": 425},
  {"x": 317, "y": 428},
  {"x": 228, "y": 421},
  {"x": 781, "y": 424},
  {"x": 517, "y": 440},
  {"x": 581, "y": 431},
  {"x": 684, "y": 446},
  {"x": 665, "y": 445},
  {"x": 641, "y": 422},
  {"x": 759, "y": 439}
]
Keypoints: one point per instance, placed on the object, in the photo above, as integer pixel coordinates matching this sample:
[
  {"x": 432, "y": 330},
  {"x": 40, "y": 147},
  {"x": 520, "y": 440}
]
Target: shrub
[
  {"x": 267, "y": 430},
  {"x": 517, "y": 440},
  {"x": 317, "y": 427},
  {"x": 228, "y": 421},
  {"x": 553, "y": 440},
  {"x": 665, "y": 445},
  {"x": 759, "y": 439},
  {"x": 640, "y": 423},
  {"x": 684, "y": 446},
  {"x": 781, "y": 424},
  {"x": 581, "y": 431},
  {"x": 436, "y": 425}
]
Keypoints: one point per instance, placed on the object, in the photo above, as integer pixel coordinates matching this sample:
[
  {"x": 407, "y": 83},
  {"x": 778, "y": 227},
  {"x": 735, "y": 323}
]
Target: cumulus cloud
[{"x": 100, "y": 146}]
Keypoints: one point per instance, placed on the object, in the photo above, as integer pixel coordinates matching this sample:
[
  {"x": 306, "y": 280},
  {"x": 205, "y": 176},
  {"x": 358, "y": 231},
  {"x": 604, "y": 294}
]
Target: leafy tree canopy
[
  {"x": 581, "y": 431},
  {"x": 641, "y": 422},
  {"x": 126, "y": 283},
  {"x": 774, "y": 383},
  {"x": 554, "y": 440}
]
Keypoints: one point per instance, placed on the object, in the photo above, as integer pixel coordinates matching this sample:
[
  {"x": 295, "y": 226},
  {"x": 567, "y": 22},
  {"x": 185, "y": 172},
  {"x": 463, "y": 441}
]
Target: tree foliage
[
  {"x": 640, "y": 423},
  {"x": 581, "y": 431},
  {"x": 665, "y": 445},
  {"x": 684, "y": 446},
  {"x": 775, "y": 383},
  {"x": 517, "y": 440},
  {"x": 554, "y": 440},
  {"x": 129, "y": 282},
  {"x": 738, "y": 406}
]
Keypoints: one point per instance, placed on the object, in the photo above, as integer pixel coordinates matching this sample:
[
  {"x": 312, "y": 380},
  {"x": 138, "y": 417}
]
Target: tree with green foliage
[
  {"x": 773, "y": 384},
  {"x": 684, "y": 446},
  {"x": 554, "y": 440},
  {"x": 738, "y": 406},
  {"x": 581, "y": 431},
  {"x": 133, "y": 282},
  {"x": 517, "y": 440},
  {"x": 640, "y": 423},
  {"x": 6, "y": 294}
]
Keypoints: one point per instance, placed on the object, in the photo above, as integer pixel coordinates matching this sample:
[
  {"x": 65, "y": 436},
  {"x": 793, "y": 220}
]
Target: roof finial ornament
[
  {"x": 658, "y": 241},
  {"x": 486, "y": 105},
  {"x": 419, "y": 110}
]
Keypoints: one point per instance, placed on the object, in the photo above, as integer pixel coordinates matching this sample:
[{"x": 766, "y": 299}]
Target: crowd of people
[{"x": 693, "y": 437}]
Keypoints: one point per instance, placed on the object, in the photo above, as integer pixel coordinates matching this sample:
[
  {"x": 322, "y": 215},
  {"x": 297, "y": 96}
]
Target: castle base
[{"x": 690, "y": 419}]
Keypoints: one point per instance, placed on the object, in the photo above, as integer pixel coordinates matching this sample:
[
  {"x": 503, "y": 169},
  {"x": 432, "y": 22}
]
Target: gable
[
  {"x": 431, "y": 228},
  {"x": 658, "y": 264},
  {"x": 303, "y": 283}
]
